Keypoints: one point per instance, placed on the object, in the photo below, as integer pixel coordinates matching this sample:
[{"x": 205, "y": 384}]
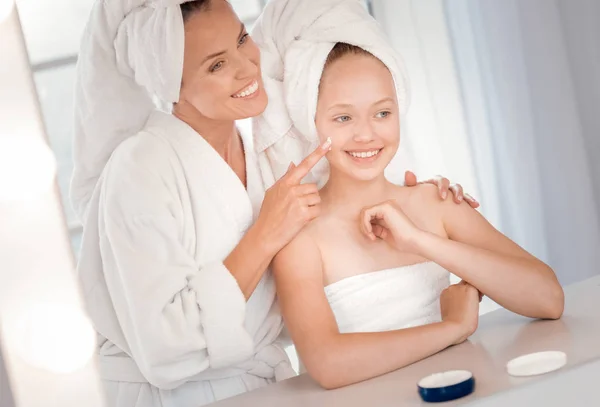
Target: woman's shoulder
[
  {"x": 144, "y": 149},
  {"x": 150, "y": 147},
  {"x": 142, "y": 166}
]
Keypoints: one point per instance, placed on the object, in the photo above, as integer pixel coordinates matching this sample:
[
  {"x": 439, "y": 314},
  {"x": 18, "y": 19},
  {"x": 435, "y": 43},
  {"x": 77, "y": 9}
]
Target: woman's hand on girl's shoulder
[{"x": 444, "y": 187}]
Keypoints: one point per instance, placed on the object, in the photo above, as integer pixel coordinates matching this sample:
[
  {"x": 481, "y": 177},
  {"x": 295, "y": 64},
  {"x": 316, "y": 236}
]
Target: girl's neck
[{"x": 346, "y": 196}]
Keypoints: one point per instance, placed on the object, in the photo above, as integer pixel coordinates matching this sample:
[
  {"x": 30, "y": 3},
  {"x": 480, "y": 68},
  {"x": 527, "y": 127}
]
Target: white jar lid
[{"x": 536, "y": 363}]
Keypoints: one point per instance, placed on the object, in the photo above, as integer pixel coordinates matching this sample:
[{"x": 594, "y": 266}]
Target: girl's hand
[{"x": 387, "y": 221}]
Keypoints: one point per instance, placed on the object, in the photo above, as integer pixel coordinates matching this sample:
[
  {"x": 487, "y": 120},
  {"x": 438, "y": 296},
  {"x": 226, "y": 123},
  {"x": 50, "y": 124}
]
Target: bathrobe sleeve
[{"x": 178, "y": 317}]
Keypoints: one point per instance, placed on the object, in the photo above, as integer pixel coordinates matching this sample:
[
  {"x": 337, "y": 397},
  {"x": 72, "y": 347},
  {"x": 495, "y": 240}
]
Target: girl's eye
[
  {"x": 383, "y": 114},
  {"x": 342, "y": 119}
]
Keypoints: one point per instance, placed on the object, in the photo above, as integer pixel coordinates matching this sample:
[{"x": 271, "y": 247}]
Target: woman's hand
[
  {"x": 443, "y": 184},
  {"x": 387, "y": 221},
  {"x": 289, "y": 205},
  {"x": 459, "y": 304}
]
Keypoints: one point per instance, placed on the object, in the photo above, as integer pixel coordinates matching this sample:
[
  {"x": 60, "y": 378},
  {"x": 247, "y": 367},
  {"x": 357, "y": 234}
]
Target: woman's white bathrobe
[{"x": 174, "y": 327}]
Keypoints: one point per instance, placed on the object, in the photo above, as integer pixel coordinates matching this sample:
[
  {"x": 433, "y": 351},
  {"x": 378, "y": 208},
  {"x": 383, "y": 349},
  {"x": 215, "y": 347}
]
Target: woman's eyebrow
[{"x": 216, "y": 54}]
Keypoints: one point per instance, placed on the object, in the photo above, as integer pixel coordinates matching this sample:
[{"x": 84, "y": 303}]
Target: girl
[{"x": 364, "y": 289}]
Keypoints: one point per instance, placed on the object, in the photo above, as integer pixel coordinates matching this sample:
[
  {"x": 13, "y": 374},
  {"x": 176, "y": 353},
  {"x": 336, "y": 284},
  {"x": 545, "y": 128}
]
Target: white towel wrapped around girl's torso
[{"x": 388, "y": 299}]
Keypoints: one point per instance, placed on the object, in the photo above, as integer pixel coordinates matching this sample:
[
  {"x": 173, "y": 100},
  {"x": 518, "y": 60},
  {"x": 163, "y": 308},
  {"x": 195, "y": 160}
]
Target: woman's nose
[{"x": 246, "y": 67}]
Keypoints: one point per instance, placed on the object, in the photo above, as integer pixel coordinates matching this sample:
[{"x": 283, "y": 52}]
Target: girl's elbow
[
  {"x": 326, "y": 380},
  {"x": 553, "y": 299},
  {"x": 324, "y": 372},
  {"x": 327, "y": 383},
  {"x": 550, "y": 299},
  {"x": 556, "y": 303}
]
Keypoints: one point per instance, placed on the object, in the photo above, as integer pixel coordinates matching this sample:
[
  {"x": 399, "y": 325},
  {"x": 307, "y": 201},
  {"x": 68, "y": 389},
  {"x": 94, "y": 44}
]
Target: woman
[
  {"x": 364, "y": 288},
  {"x": 177, "y": 236}
]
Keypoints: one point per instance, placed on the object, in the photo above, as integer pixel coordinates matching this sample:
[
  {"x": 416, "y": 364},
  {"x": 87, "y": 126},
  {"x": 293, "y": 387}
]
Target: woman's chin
[
  {"x": 251, "y": 107},
  {"x": 260, "y": 103}
]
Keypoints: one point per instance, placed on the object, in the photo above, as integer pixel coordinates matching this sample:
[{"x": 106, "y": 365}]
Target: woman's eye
[
  {"x": 383, "y": 114},
  {"x": 243, "y": 40},
  {"x": 216, "y": 66},
  {"x": 342, "y": 119}
]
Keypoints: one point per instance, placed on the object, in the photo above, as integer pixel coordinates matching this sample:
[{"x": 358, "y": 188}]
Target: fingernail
[
  {"x": 444, "y": 195},
  {"x": 327, "y": 144},
  {"x": 471, "y": 198},
  {"x": 460, "y": 198}
]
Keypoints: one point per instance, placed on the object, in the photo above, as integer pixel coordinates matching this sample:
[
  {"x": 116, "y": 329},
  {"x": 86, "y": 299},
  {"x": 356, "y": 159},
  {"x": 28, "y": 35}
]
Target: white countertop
[{"x": 500, "y": 337}]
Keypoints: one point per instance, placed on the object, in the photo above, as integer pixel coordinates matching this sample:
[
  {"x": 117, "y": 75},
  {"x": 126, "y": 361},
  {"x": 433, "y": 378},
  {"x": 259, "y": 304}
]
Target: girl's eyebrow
[
  {"x": 343, "y": 105},
  {"x": 348, "y": 105},
  {"x": 388, "y": 99}
]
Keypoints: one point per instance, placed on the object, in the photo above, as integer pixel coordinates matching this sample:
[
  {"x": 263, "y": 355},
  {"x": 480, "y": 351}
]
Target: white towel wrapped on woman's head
[
  {"x": 131, "y": 52},
  {"x": 295, "y": 38}
]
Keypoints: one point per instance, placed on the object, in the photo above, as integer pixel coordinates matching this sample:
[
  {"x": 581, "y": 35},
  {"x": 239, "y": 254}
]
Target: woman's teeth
[
  {"x": 248, "y": 91},
  {"x": 364, "y": 154}
]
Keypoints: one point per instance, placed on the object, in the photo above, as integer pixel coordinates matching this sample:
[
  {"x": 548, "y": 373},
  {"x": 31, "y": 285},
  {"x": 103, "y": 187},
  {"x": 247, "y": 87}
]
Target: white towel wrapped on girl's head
[{"x": 295, "y": 38}]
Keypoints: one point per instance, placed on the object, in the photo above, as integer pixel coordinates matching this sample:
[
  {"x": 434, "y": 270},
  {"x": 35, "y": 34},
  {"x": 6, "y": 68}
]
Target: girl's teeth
[{"x": 364, "y": 154}]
